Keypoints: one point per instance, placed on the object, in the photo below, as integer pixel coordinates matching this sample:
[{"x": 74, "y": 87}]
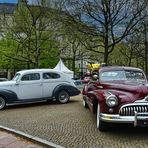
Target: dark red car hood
[{"x": 127, "y": 91}]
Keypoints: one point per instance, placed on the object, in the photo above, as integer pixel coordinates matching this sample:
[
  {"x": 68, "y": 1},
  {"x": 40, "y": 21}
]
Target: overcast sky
[
  {"x": 15, "y": 1},
  {"x": 8, "y": 1}
]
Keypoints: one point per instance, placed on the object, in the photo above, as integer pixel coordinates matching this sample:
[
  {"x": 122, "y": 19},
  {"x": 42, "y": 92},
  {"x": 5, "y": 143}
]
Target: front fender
[
  {"x": 123, "y": 98},
  {"x": 9, "y": 95},
  {"x": 93, "y": 100},
  {"x": 73, "y": 91},
  {"x": 97, "y": 97}
]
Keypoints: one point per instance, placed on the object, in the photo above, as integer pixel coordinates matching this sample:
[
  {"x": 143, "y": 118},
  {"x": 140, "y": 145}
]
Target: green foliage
[
  {"x": 38, "y": 36},
  {"x": 33, "y": 31},
  {"x": 7, "y": 48},
  {"x": 118, "y": 56}
]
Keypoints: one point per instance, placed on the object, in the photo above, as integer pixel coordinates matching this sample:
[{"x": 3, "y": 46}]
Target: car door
[
  {"x": 30, "y": 86},
  {"x": 50, "y": 81}
]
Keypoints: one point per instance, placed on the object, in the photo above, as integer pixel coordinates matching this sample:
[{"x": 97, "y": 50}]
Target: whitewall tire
[
  {"x": 102, "y": 126},
  {"x": 2, "y": 103}
]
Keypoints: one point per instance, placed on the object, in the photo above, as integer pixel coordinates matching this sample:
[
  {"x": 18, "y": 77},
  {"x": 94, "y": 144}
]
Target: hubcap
[
  {"x": 63, "y": 97},
  {"x": 2, "y": 103}
]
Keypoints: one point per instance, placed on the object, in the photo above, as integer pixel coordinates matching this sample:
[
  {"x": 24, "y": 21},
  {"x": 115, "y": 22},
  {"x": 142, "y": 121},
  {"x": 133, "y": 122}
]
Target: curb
[{"x": 31, "y": 138}]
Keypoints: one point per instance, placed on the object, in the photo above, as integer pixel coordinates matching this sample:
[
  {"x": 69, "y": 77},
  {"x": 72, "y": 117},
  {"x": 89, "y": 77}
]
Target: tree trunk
[
  {"x": 28, "y": 65},
  {"x": 73, "y": 65},
  {"x": 106, "y": 49},
  {"x": 130, "y": 57},
  {"x": 106, "y": 40},
  {"x": 146, "y": 49},
  {"x": 81, "y": 58},
  {"x": 106, "y": 57}
]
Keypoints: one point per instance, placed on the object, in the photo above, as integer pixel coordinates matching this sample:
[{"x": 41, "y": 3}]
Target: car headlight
[{"x": 112, "y": 100}]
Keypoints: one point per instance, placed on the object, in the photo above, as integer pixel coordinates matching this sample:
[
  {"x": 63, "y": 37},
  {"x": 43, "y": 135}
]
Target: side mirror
[{"x": 95, "y": 77}]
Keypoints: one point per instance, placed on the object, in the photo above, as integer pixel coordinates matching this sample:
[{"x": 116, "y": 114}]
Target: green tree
[
  {"x": 33, "y": 30},
  {"x": 107, "y": 22}
]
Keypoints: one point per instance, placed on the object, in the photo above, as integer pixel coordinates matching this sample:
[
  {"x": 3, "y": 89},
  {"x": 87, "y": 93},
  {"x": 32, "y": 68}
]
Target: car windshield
[
  {"x": 122, "y": 75},
  {"x": 16, "y": 77}
]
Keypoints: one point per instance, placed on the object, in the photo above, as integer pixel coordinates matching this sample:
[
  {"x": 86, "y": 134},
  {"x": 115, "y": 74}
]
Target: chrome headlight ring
[{"x": 111, "y": 100}]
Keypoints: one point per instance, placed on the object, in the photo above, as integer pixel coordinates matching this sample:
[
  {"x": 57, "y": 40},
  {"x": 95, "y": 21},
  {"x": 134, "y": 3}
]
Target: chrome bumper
[{"x": 125, "y": 119}]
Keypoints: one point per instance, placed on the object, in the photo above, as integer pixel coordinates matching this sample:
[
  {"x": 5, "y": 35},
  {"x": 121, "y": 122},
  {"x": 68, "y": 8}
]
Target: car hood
[
  {"x": 127, "y": 91},
  {"x": 7, "y": 83}
]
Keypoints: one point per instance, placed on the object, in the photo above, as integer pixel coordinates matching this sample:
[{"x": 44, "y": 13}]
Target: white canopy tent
[{"x": 61, "y": 67}]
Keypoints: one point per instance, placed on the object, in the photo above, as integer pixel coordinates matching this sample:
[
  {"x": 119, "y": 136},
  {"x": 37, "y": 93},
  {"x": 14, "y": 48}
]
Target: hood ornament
[{"x": 146, "y": 98}]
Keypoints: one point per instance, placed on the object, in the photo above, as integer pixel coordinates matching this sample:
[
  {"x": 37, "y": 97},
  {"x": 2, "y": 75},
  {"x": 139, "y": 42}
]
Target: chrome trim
[
  {"x": 115, "y": 118},
  {"x": 115, "y": 99},
  {"x": 128, "y": 109},
  {"x": 135, "y": 121},
  {"x": 133, "y": 104}
]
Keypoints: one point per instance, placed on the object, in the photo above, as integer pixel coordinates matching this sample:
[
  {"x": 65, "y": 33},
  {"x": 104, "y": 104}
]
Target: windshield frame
[{"x": 16, "y": 77}]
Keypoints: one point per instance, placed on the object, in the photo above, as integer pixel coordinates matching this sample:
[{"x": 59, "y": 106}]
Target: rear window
[{"x": 51, "y": 75}]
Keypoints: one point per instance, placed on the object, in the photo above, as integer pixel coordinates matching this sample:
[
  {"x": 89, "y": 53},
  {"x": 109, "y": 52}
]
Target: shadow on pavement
[
  {"x": 124, "y": 129},
  {"x": 37, "y": 104}
]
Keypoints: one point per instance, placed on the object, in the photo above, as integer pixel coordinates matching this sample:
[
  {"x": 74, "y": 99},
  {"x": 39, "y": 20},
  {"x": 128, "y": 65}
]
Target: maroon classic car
[{"x": 118, "y": 95}]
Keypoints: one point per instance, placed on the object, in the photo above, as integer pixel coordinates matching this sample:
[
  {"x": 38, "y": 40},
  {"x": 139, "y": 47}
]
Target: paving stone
[
  {"x": 7, "y": 140},
  {"x": 17, "y": 144},
  {"x": 1, "y": 146}
]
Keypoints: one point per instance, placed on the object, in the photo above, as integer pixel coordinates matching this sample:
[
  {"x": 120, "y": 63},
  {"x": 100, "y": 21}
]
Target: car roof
[
  {"x": 106, "y": 68},
  {"x": 37, "y": 70}
]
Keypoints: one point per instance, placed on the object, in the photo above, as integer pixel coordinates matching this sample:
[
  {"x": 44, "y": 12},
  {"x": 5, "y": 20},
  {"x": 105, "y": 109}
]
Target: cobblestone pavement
[{"x": 70, "y": 125}]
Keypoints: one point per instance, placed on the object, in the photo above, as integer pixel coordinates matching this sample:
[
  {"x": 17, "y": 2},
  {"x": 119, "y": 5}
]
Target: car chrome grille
[{"x": 130, "y": 110}]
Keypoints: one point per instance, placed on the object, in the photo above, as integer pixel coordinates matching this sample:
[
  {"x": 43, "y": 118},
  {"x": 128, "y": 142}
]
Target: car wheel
[
  {"x": 63, "y": 97},
  {"x": 2, "y": 103},
  {"x": 102, "y": 126},
  {"x": 85, "y": 104}
]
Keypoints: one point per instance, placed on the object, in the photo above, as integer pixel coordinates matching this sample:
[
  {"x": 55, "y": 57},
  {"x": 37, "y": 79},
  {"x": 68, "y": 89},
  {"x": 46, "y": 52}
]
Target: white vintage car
[{"x": 37, "y": 85}]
